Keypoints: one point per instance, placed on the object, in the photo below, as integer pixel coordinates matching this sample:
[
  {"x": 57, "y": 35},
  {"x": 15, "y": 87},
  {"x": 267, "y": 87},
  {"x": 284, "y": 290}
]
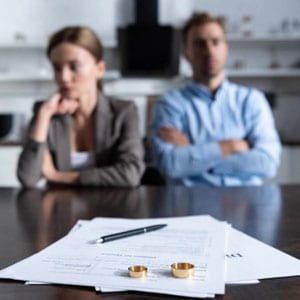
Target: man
[{"x": 213, "y": 131}]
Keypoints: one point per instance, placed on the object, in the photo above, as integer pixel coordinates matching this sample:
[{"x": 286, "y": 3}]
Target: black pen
[{"x": 124, "y": 234}]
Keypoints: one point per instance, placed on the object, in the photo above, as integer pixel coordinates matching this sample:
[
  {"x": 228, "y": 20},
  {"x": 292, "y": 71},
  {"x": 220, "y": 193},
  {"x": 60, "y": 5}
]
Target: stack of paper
[{"x": 219, "y": 253}]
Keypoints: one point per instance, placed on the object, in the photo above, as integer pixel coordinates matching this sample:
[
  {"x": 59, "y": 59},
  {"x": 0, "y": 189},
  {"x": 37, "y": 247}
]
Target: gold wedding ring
[
  {"x": 182, "y": 270},
  {"x": 137, "y": 271}
]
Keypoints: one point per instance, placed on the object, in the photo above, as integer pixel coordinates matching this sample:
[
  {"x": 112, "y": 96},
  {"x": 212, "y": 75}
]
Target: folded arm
[
  {"x": 172, "y": 151},
  {"x": 125, "y": 170},
  {"x": 184, "y": 159},
  {"x": 263, "y": 157},
  {"x": 256, "y": 155}
]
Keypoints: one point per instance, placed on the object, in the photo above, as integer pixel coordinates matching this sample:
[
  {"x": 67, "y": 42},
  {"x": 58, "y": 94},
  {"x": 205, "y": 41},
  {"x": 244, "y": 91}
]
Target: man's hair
[{"x": 200, "y": 19}]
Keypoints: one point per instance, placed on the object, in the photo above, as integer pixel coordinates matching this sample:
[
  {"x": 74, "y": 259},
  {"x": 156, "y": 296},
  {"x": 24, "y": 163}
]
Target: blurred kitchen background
[{"x": 142, "y": 52}]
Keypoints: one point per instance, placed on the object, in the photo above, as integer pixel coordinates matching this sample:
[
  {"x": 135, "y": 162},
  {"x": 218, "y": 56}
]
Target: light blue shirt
[{"x": 234, "y": 112}]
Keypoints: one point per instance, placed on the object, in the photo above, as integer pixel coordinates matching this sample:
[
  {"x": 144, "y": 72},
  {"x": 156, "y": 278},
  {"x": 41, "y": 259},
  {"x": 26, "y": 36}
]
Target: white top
[{"x": 82, "y": 160}]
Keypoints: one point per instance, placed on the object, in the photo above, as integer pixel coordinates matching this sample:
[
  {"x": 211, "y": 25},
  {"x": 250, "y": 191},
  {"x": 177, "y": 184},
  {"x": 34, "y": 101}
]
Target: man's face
[{"x": 206, "y": 50}]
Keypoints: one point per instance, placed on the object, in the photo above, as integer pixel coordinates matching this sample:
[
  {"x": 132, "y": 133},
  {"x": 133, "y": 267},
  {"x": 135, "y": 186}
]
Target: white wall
[
  {"x": 267, "y": 14},
  {"x": 37, "y": 19}
]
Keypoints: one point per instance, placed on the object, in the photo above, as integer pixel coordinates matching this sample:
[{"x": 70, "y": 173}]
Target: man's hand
[
  {"x": 229, "y": 147},
  {"x": 173, "y": 136}
]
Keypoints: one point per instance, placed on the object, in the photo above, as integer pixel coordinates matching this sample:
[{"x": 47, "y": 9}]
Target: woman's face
[{"x": 76, "y": 70}]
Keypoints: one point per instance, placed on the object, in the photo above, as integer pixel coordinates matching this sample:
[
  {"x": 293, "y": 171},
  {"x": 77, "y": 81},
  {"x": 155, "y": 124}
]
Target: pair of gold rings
[{"x": 178, "y": 270}]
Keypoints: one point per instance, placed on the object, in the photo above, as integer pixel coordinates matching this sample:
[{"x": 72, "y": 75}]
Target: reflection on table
[
  {"x": 239, "y": 205},
  {"x": 47, "y": 208},
  {"x": 33, "y": 219}
]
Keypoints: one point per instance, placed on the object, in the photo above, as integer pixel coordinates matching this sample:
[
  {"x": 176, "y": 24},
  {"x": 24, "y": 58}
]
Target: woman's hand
[
  {"x": 57, "y": 104},
  {"x": 48, "y": 169},
  {"x": 53, "y": 175}
]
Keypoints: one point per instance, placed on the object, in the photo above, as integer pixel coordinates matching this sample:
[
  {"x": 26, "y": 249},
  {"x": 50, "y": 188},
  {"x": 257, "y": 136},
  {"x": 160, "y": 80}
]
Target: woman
[{"x": 79, "y": 136}]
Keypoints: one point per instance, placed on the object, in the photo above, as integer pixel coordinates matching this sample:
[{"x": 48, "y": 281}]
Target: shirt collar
[{"x": 203, "y": 92}]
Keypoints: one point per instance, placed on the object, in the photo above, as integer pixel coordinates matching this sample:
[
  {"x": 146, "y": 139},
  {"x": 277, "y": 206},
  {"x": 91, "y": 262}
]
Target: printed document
[
  {"x": 248, "y": 259},
  {"x": 200, "y": 240}
]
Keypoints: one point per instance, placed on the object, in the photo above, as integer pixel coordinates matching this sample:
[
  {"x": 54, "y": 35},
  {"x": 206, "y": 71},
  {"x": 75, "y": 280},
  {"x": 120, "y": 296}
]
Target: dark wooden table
[{"x": 32, "y": 219}]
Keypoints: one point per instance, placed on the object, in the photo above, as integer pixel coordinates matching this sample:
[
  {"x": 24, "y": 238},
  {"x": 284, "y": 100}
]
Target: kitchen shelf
[
  {"x": 270, "y": 73},
  {"x": 44, "y": 75},
  {"x": 115, "y": 75},
  {"x": 264, "y": 39},
  {"x": 10, "y": 44},
  {"x": 276, "y": 38},
  {"x": 4, "y": 45},
  {"x": 25, "y": 76}
]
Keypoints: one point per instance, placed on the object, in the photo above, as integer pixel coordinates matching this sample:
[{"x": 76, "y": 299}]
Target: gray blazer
[{"x": 119, "y": 150}]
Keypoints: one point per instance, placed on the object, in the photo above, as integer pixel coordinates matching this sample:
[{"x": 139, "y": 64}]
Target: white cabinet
[
  {"x": 9, "y": 157},
  {"x": 272, "y": 63},
  {"x": 264, "y": 56},
  {"x": 249, "y": 58},
  {"x": 261, "y": 58},
  {"x": 289, "y": 170},
  {"x": 26, "y": 71}
]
